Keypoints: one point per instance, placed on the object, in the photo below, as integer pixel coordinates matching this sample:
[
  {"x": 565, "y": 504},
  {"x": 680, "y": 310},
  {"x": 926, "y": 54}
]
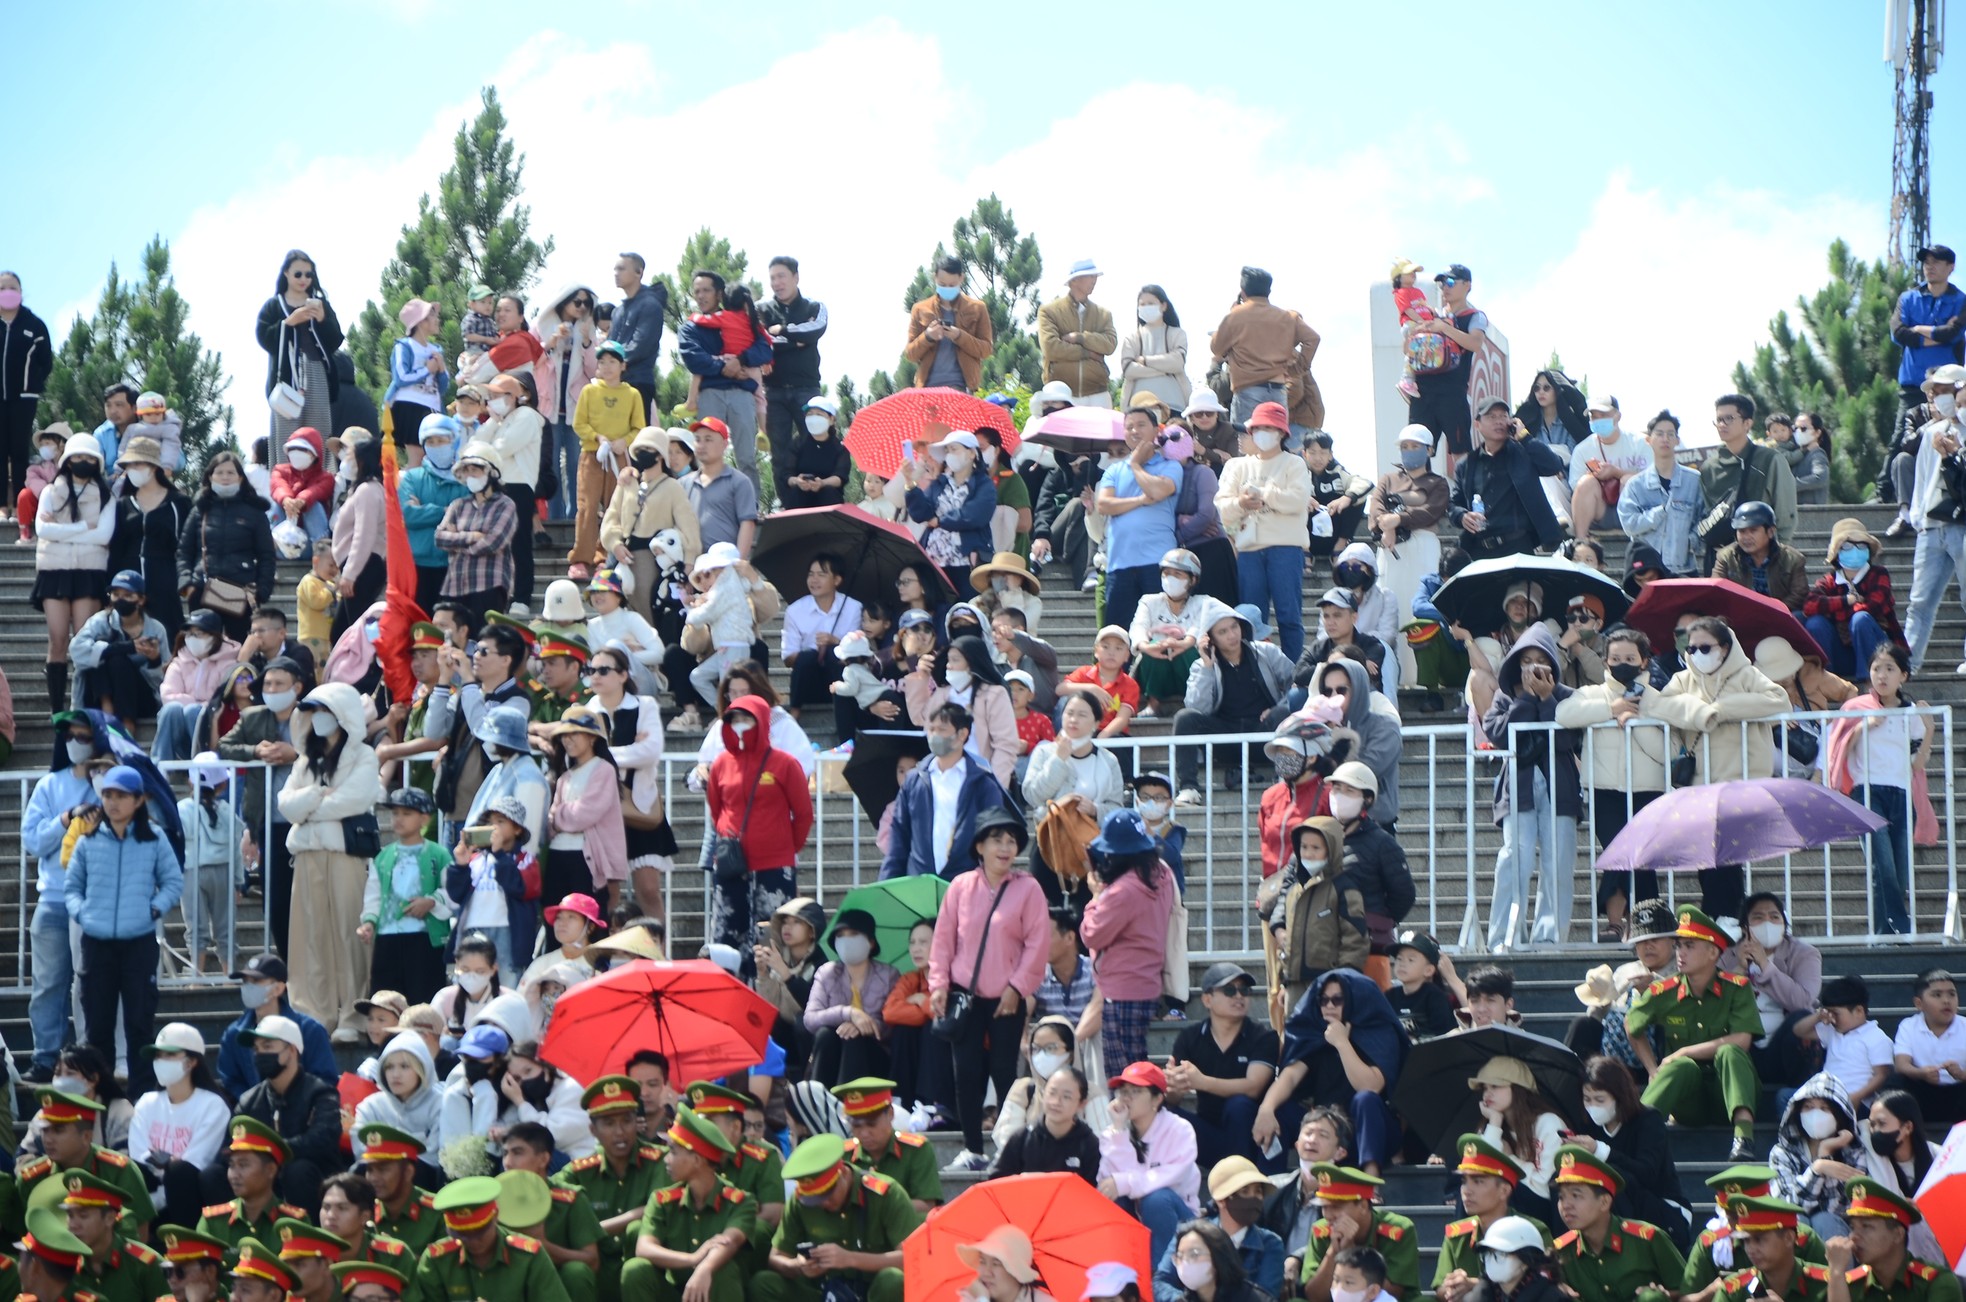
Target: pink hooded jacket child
[{"x": 314, "y": 486}]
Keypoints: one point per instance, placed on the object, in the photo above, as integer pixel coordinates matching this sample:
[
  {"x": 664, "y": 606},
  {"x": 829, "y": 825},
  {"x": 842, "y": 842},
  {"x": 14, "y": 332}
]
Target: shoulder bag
[
  {"x": 949, "y": 1026},
  {"x": 287, "y": 401},
  {"x": 233, "y": 600},
  {"x": 728, "y": 862},
  {"x": 361, "y": 835},
  {"x": 1716, "y": 528}
]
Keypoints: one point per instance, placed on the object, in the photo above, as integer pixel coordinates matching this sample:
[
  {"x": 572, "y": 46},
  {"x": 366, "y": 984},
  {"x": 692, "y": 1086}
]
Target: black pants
[
  {"x": 1787, "y": 1060},
  {"x": 563, "y": 873},
  {"x": 1944, "y": 1106},
  {"x": 1724, "y": 891},
  {"x": 835, "y": 1061},
  {"x": 648, "y": 402},
  {"x": 482, "y": 603},
  {"x": 17, "y": 417},
  {"x": 676, "y": 666},
  {"x": 812, "y": 673},
  {"x": 429, "y": 587},
  {"x": 409, "y": 964},
  {"x": 184, "y": 1193},
  {"x": 119, "y": 678},
  {"x": 121, "y": 972},
  {"x": 1488, "y": 544},
  {"x": 784, "y": 409},
  {"x": 1193, "y": 723},
  {"x": 370, "y": 584},
  {"x": 924, "y": 1071},
  {"x": 1053, "y": 886},
  {"x": 986, "y": 1054},
  {"x": 1608, "y": 804},
  {"x": 279, "y": 884},
  {"x": 522, "y": 571},
  {"x": 1071, "y": 546},
  {"x": 1344, "y": 526}
]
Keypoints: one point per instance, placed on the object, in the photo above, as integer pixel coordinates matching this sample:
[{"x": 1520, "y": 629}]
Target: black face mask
[
  {"x": 534, "y": 1090},
  {"x": 1247, "y": 1209},
  {"x": 82, "y": 469},
  {"x": 1625, "y": 674},
  {"x": 642, "y": 460},
  {"x": 477, "y": 1069},
  {"x": 1884, "y": 1143},
  {"x": 125, "y": 608},
  {"x": 268, "y": 1065}
]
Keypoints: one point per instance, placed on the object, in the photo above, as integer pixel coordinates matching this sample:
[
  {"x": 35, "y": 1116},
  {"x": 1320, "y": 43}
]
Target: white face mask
[
  {"x": 818, "y": 422},
  {"x": 80, "y": 752},
  {"x": 1346, "y": 806},
  {"x": 1602, "y": 1113},
  {"x": 1194, "y": 1274},
  {"x": 71, "y": 1085},
  {"x": 473, "y": 983},
  {"x": 1805, "y": 437},
  {"x": 1768, "y": 934},
  {"x": 958, "y": 459},
  {"x": 1267, "y": 440},
  {"x": 225, "y": 490},
  {"x": 1945, "y": 404},
  {"x": 278, "y": 701},
  {"x": 139, "y": 476},
  {"x": 1150, "y": 314},
  {"x": 1152, "y": 810},
  {"x": 742, "y": 726},
  {"x": 1046, "y": 1061},
  {"x": 49, "y": 452},
  {"x": 199, "y": 645},
  {"x": 300, "y": 460},
  {"x": 1503, "y": 1268},
  {"x": 475, "y": 483},
  {"x": 1818, "y": 1124},
  {"x": 501, "y": 406},
  {"x": 989, "y": 456},
  {"x": 1352, "y": 1294},
  {"x": 1173, "y": 587},
  {"x": 169, "y": 1071},
  {"x": 1707, "y": 662},
  {"x": 324, "y": 724},
  {"x": 959, "y": 679}
]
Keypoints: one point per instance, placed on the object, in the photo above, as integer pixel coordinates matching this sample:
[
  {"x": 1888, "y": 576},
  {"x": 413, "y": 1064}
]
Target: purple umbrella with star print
[{"x": 1734, "y": 822}]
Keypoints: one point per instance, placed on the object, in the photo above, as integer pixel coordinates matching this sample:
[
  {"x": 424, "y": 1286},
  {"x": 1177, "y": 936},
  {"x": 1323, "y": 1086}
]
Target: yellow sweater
[
  {"x": 314, "y": 603},
  {"x": 607, "y": 411}
]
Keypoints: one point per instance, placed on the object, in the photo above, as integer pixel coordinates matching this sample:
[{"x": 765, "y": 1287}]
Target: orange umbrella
[
  {"x": 1072, "y": 1227},
  {"x": 1942, "y": 1198}
]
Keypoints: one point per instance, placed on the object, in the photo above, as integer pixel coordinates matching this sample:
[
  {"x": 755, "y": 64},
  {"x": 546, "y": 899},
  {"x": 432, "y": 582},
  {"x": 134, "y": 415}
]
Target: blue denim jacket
[{"x": 1651, "y": 511}]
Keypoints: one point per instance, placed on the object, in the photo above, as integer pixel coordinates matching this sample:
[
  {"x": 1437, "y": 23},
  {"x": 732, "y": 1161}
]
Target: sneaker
[
  {"x": 968, "y": 1163},
  {"x": 1091, "y": 582},
  {"x": 1188, "y": 799},
  {"x": 1742, "y": 1150},
  {"x": 24, "y": 540},
  {"x": 1899, "y": 528},
  {"x": 38, "y": 1075},
  {"x": 345, "y": 1035},
  {"x": 1960, "y": 669}
]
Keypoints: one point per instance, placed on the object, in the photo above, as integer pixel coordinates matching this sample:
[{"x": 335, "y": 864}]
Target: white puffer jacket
[
  {"x": 81, "y": 543},
  {"x": 314, "y": 806}
]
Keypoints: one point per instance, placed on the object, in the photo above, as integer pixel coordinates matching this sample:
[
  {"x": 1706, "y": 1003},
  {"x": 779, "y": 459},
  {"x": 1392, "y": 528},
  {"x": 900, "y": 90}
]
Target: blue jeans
[
  {"x": 1124, "y": 588},
  {"x": 1229, "y": 1137},
  {"x": 1244, "y": 401},
  {"x": 53, "y": 948},
  {"x": 1524, "y": 834},
  {"x": 314, "y": 520},
  {"x": 174, "y": 724},
  {"x": 1890, "y": 859},
  {"x": 1163, "y": 1212},
  {"x": 1938, "y": 560},
  {"x": 1273, "y": 578},
  {"x": 1852, "y": 661}
]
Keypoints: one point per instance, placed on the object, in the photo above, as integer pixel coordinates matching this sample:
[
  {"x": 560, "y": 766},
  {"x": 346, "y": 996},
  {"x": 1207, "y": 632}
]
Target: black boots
[{"x": 57, "y": 687}]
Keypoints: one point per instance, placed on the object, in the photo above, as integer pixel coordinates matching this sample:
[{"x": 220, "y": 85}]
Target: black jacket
[
  {"x": 321, "y": 338},
  {"x": 821, "y": 461},
  {"x": 1062, "y": 484},
  {"x": 27, "y": 355},
  {"x": 308, "y": 1118},
  {"x": 230, "y": 539},
  {"x": 1642, "y": 1153},
  {"x": 1523, "y": 462},
  {"x": 1035, "y": 1148},
  {"x": 794, "y": 354},
  {"x": 352, "y": 407}
]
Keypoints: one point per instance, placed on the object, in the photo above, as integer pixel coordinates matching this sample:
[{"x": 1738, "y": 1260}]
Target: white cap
[
  {"x": 1354, "y": 774},
  {"x": 182, "y": 1037},
  {"x": 1084, "y": 267},
  {"x": 208, "y": 770},
  {"x": 1020, "y": 676},
  {"x": 820, "y": 402},
  {"x": 282, "y": 1029},
  {"x": 1204, "y": 399},
  {"x": 1110, "y": 1278},
  {"x": 1053, "y": 391},
  {"x": 957, "y": 438},
  {"x": 716, "y": 557},
  {"x": 724, "y": 956},
  {"x": 1415, "y": 434},
  {"x": 853, "y": 646}
]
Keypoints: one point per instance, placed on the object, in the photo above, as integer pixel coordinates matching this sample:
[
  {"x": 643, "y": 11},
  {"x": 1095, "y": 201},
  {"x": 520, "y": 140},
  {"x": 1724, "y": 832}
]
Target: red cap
[
  {"x": 712, "y": 424},
  {"x": 1140, "y": 1073},
  {"x": 1271, "y": 414}
]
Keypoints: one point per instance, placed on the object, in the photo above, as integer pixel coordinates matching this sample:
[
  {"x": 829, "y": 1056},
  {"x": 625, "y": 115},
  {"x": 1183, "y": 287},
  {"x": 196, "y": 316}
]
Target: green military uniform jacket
[
  {"x": 1685, "y": 1016},
  {"x": 520, "y": 1272},
  {"x": 675, "y": 1221},
  {"x": 758, "y": 1170},
  {"x": 1811, "y": 1283},
  {"x": 1919, "y": 1281},
  {"x": 1700, "y": 1270},
  {"x": 417, "y": 1228},
  {"x": 550, "y": 706},
  {"x": 131, "y": 1272},
  {"x": 229, "y": 1221},
  {"x": 1458, "y": 1251},
  {"x": 875, "y": 1218},
  {"x": 108, "y": 1165},
  {"x": 909, "y": 1162},
  {"x": 1635, "y": 1254},
  {"x": 1393, "y": 1236},
  {"x": 610, "y": 1195},
  {"x": 571, "y": 1223}
]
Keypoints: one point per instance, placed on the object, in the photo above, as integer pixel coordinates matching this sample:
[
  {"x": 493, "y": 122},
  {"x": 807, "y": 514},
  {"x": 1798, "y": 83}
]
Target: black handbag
[
  {"x": 729, "y": 864},
  {"x": 955, "y": 1010},
  {"x": 1683, "y": 768},
  {"x": 361, "y": 835}
]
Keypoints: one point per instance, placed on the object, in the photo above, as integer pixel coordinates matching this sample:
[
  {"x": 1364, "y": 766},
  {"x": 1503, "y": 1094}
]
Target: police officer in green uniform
[
  {"x": 694, "y": 1234},
  {"x": 480, "y": 1261},
  {"x": 562, "y": 658},
  {"x": 311, "y": 1254},
  {"x": 194, "y": 1264},
  {"x": 1717, "y": 1250},
  {"x": 118, "y": 1270},
  {"x": 347, "y": 1208},
  {"x": 1766, "y": 1230},
  {"x": 51, "y": 1258},
  {"x": 254, "y": 1156},
  {"x": 1488, "y": 1177},
  {"x": 845, "y": 1222},
  {"x": 903, "y": 1158},
  {"x": 370, "y": 1281},
  {"x": 1707, "y": 1019},
  {"x": 403, "y": 1212},
  {"x": 757, "y": 1169},
  {"x": 1352, "y": 1218},
  {"x": 260, "y": 1275},
  {"x": 620, "y": 1179},
  {"x": 67, "y": 1144},
  {"x": 1879, "y": 1223},
  {"x": 560, "y": 1218},
  {"x": 1603, "y": 1257}
]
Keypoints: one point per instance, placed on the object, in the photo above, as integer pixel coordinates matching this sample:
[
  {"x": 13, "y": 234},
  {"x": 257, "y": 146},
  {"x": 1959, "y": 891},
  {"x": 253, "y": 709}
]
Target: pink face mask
[{"x": 9, "y": 299}]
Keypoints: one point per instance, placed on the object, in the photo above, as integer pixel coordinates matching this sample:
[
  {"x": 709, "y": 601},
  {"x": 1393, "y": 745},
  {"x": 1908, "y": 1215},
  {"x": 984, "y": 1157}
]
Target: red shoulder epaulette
[
  {"x": 905, "y": 1137},
  {"x": 444, "y": 1247},
  {"x": 673, "y": 1194},
  {"x": 1640, "y": 1228},
  {"x": 1565, "y": 1240},
  {"x": 1459, "y": 1228}
]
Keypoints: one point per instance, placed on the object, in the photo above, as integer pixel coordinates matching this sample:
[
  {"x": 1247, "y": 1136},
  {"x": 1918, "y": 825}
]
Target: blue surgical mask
[
  {"x": 1853, "y": 556},
  {"x": 947, "y": 293},
  {"x": 440, "y": 455},
  {"x": 1412, "y": 458},
  {"x": 1602, "y": 425}
]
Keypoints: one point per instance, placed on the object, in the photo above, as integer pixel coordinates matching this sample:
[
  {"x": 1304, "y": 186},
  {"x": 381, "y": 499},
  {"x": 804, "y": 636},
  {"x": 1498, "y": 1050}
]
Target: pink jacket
[
  {"x": 1843, "y": 737},
  {"x": 190, "y": 681},
  {"x": 546, "y": 371},
  {"x": 1020, "y": 938},
  {"x": 358, "y": 529},
  {"x": 1169, "y": 1162},
  {"x": 597, "y": 816},
  {"x": 1125, "y": 927}
]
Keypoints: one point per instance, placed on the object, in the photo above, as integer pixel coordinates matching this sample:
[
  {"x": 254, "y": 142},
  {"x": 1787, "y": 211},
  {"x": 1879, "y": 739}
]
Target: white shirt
[
  {"x": 190, "y": 1131},
  {"x": 1881, "y": 756},
  {"x": 946, "y": 787},
  {"x": 1851, "y": 1057},
  {"x": 1627, "y": 452},
  {"x": 804, "y": 621},
  {"x": 1927, "y": 1048}
]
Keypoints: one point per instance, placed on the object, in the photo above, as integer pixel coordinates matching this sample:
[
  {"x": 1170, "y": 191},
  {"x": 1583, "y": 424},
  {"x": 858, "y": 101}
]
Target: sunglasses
[
  {"x": 602, "y": 671},
  {"x": 1582, "y": 617},
  {"x": 1448, "y": 280},
  {"x": 1335, "y": 691},
  {"x": 580, "y": 302},
  {"x": 1331, "y": 1001},
  {"x": 300, "y": 275},
  {"x": 1701, "y": 648},
  {"x": 1235, "y": 991}
]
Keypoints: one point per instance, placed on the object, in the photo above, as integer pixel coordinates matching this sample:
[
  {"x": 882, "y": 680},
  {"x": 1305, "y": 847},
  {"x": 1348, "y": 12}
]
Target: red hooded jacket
[
  {"x": 781, "y": 820},
  {"x": 314, "y": 485}
]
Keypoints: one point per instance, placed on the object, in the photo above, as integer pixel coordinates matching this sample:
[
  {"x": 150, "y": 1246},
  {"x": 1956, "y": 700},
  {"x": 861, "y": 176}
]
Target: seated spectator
[
  {"x": 843, "y": 1011},
  {"x": 120, "y": 653},
  {"x": 1147, "y": 1161},
  {"x": 1607, "y": 1257},
  {"x": 1816, "y": 1152},
  {"x": 83, "y": 1072},
  {"x": 1786, "y": 973},
  {"x": 1880, "y": 1239},
  {"x": 1167, "y": 631},
  {"x": 1318, "y": 922},
  {"x": 475, "y": 983},
  {"x": 1502, "y": 477},
  {"x": 1106, "y": 681},
  {"x": 1378, "y": 730},
  {"x": 1322, "y": 1139},
  {"x": 1662, "y": 503},
  {"x": 1524, "y": 1126},
  {"x": 300, "y": 1107},
  {"x": 1056, "y": 1139},
  {"x": 965, "y": 676},
  {"x": 932, "y": 795},
  {"x": 1338, "y": 495},
  {"x": 814, "y": 625},
  {"x": 263, "y": 991},
  {"x": 202, "y": 661},
  {"x": 1930, "y": 1050},
  {"x": 1068, "y": 990},
  {"x": 1338, "y": 625},
  {"x": 1007, "y": 583},
  {"x": 1706, "y": 1074},
  {"x": 1351, "y": 1197},
  {"x": 1538, "y": 798},
  {"x": 1226, "y": 1063},
  {"x": 1489, "y": 1177},
  {"x": 1153, "y": 796},
  {"x": 1126, "y": 928},
  {"x": 1851, "y": 611},
  {"x": 1419, "y": 993},
  {"x": 1075, "y": 772},
  {"x": 1014, "y": 648},
  {"x": 1602, "y": 1028},
  {"x": 1855, "y": 1049},
  {"x": 177, "y": 1129},
  {"x": 1238, "y": 1190},
  {"x": 411, "y": 1098},
  {"x": 1238, "y": 683},
  {"x": 1761, "y": 562},
  {"x": 788, "y": 958},
  {"x": 1901, "y": 1156},
  {"x": 1627, "y": 764},
  {"x": 1343, "y": 1047},
  {"x": 1049, "y": 1051}
]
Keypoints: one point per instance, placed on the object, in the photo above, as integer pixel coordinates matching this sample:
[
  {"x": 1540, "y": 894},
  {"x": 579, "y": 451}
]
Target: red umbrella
[
  {"x": 706, "y": 1021},
  {"x": 1942, "y": 1198},
  {"x": 881, "y": 429},
  {"x": 1072, "y": 1227},
  {"x": 1751, "y": 615},
  {"x": 875, "y": 551}
]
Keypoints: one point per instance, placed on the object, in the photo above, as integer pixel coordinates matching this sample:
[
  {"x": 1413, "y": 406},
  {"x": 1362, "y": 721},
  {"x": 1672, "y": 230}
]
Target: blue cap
[
  {"x": 123, "y": 778},
  {"x": 129, "y": 580},
  {"x": 913, "y": 618},
  {"x": 484, "y": 1041},
  {"x": 1124, "y": 832}
]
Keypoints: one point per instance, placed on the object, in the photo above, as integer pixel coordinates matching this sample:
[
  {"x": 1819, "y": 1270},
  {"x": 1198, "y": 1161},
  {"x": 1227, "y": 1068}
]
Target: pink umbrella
[{"x": 1080, "y": 431}]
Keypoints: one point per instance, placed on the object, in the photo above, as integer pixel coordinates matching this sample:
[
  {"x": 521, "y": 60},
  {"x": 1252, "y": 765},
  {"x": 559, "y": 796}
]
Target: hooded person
[
  {"x": 353, "y": 660},
  {"x": 411, "y": 1098},
  {"x": 1319, "y": 923},
  {"x": 1312, "y": 1073},
  {"x": 1706, "y": 701},
  {"x": 425, "y": 492},
  {"x": 760, "y": 806},
  {"x": 1538, "y": 795},
  {"x": 302, "y": 485},
  {"x": 1369, "y": 716},
  {"x": 1817, "y": 1135},
  {"x": 977, "y": 685},
  {"x": 786, "y": 968},
  {"x": 1356, "y": 569}
]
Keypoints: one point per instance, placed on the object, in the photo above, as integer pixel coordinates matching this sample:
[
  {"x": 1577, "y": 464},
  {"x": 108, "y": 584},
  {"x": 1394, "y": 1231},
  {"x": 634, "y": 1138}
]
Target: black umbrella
[
  {"x": 870, "y": 773},
  {"x": 1433, "y": 1097},
  {"x": 1473, "y": 598},
  {"x": 875, "y": 552}
]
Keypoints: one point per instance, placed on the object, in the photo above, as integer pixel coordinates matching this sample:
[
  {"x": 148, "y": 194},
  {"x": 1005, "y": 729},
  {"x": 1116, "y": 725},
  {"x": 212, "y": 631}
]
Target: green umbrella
[{"x": 897, "y": 905}]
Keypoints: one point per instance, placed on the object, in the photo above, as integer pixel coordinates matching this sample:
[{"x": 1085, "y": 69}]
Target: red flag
[{"x": 393, "y": 646}]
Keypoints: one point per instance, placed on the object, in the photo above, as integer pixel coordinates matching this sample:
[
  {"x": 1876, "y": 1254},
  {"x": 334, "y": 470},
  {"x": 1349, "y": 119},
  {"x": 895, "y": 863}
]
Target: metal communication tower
[{"x": 1914, "y": 38}]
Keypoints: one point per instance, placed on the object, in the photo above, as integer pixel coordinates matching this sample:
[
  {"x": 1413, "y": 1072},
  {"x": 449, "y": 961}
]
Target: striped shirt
[{"x": 478, "y": 565}]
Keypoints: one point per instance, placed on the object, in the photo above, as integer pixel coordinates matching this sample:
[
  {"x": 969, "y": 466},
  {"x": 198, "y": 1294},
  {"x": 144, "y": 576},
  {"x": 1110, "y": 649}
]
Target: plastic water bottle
[{"x": 1479, "y": 508}]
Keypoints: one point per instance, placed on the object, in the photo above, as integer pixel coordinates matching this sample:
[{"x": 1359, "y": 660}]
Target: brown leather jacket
[{"x": 974, "y": 344}]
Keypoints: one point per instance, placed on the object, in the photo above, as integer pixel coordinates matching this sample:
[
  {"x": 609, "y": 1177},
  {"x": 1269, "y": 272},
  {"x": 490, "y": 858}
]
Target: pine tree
[
  {"x": 474, "y": 230},
  {"x": 1839, "y": 361},
  {"x": 137, "y": 336},
  {"x": 705, "y": 251}
]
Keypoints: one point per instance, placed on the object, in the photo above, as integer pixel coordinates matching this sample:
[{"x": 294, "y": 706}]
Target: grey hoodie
[
  {"x": 419, "y": 1113},
  {"x": 1795, "y": 1178},
  {"x": 1379, "y": 742}
]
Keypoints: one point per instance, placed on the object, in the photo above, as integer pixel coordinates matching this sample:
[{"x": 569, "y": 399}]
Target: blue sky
[{"x": 1574, "y": 155}]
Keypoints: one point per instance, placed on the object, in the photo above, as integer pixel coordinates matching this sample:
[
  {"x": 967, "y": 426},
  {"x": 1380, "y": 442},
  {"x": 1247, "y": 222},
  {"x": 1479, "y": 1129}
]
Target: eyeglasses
[
  {"x": 1582, "y": 617},
  {"x": 1702, "y": 648},
  {"x": 1193, "y": 1255}
]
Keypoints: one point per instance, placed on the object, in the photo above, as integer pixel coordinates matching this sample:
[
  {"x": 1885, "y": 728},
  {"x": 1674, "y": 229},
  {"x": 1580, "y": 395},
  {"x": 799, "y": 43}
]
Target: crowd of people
[{"x": 440, "y": 870}]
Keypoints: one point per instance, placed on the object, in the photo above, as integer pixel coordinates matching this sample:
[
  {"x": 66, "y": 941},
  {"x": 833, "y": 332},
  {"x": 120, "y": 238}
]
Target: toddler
[
  {"x": 480, "y": 331},
  {"x": 874, "y": 499},
  {"x": 314, "y": 600},
  {"x": 724, "y": 604},
  {"x": 1428, "y": 352},
  {"x": 738, "y": 326},
  {"x": 48, "y": 445},
  {"x": 165, "y": 426}
]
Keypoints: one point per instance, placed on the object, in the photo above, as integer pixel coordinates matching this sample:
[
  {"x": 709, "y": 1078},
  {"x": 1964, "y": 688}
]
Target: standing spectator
[
  {"x": 1338, "y": 497},
  {"x": 48, "y": 445},
  {"x": 1319, "y": 920},
  {"x": 1851, "y": 611},
  {"x": 359, "y": 542},
  {"x": 1757, "y": 559},
  {"x": 587, "y": 848},
  {"x": 1786, "y": 974},
  {"x": 635, "y": 743},
  {"x": 1627, "y": 766},
  {"x": 1010, "y": 524},
  {"x": 1940, "y": 555},
  {"x": 1239, "y": 683},
  {"x": 1809, "y": 459},
  {"x": 1073, "y": 770},
  {"x": 477, "y": 531},
  {"x": 1537, "y": 798},
  {"x": 949, "y": 333},
  {"x": 1662, "y": 503},
  {"x": 941, "y": 800},
  {"x": 637, "y": 324},
  {"x": 122, "y": 879},
  {"x": 843, "y": 1012},
  {"x": 1208, "y": 421},
  {"x": 608, "y": 412},
  {"x": 815, "y": 465},
  {"x": 1555, "y": 413},
  {"x": 1443, "y": 402},
  {"x": 1258, "y": 342},
  {"x": 1600, "y": 466},
  {"x": 1265, "y": 501},
  {"x": 300, "y": 333},
  {"x": 1502, "y": 477},
  {"x": 516, "y": 433},
  {"x": 1930, "y": 1051},
  {"x": 425, "y": 492},
  {"x": 227, "y": 538},
  {"x": 956, "y": 506},
  {"x": 214, "y": 838},
  {"x": 150, "y": 519},
  {"x": 647, "y": 500},
  {"x": 266, "y": 732},
  {"x": 1741, "y": 470},
  {"x": 1882, "y": 760},
  {"x": 405, "y": 910},
  {"x": 1125, "y": 927},
  {"x": 335, "y": 783},
  {"x": 1406, "y": 507},
  {"x": 1225, "y": 1062},
  {"x": 1928, "y": 323},
  {"x": 1138, "y": 495},
  {"x": 726, "y": 503},
  {"x": 419, "y": 377},
  {"x": 1154, "y": 356},
  {"x": 119, "y": 411},
  {"x": 27, "y": 358},
  {"x": 1076, "y": 336},
  {"x": 1198, "y": 522},
  {"x": 796, "y": 324},
  {"x": 758, "y": 798},
  {"x": 568, "y": 338},
  {"x": 987, "y": 959},
  {"x": 726, "y": 390},
  {"x": 73, "y": 525}
]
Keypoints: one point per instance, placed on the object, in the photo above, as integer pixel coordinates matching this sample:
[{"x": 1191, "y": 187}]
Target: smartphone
[
  {"x": 477, "y": 837},
  {"x": 804, "y": 1249}
]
